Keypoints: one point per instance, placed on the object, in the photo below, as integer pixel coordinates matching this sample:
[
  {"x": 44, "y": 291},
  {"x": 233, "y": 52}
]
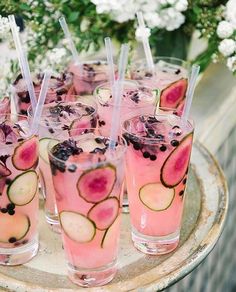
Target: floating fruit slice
[
  {"x": 104, "y": 95},
  {"x": 78, "y": 126},
  {"x": 96, "y": 184},
  {"x": 174, "y": 168},
  {"x": 156, "y": 197},
  {"x": 77, "y": 227},
  {"x": 26, "y": 154},
  {"x": 13, "y": 227},
  {"x": 104, "y": 213},
  {"x": 43, "y": 147},
  {"x": 88, "y": 145},
  {"x": 23, "y": 188},
  {"x": 4, "y": 171},
  {"x": 110, "y": 235},
  {"x": 172, "y": 95}
]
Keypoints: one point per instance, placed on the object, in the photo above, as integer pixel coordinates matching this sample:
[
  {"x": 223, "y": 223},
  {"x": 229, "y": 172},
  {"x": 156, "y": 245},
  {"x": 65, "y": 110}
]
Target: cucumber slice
[
  {"x": 110, "y": 235},
  {"x": 13, "y": 227},
  {"x": 77, "y": 227},
  {"x": 23, "y": 188},
  {"x": 104, "y": 213},
  {"x": 156, "y": 197},
  {"x": 104, "y": 95},
  {"x": 43, "y": 147}
]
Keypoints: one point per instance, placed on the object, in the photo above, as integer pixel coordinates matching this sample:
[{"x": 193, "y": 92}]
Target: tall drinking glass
[
  {"x": 170, "y": 77},
  {"x": 18, "y": 191},
  {"x": 88, "y": 180},
  {"x": 157, "y": 162},
  {"x": 66, "y": 118}
]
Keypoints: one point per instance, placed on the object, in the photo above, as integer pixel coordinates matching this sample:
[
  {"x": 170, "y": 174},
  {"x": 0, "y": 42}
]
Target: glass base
[
  {"x": 154, "y": 245},
  {"x": 92, "y": 277},
  {"x": 53, "y": 221},
  {"x": 19, "y": 255}
]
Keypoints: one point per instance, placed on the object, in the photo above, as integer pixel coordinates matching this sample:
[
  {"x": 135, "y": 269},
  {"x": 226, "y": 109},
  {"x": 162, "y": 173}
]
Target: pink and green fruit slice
[
  {"x": 172, "y": 95},
  {"x": 13, "y": 226},
  {"x": 95, "y": 185},
  {"x": 77, "y": 226},
  {"x": 4, "y": 171},
  {"x": 22, "y": 190},
  {"x": 156, "y": 197},
  {"x": 26, "y": 154},
  {"x": 176, "y": 164},
  {"x": 110, "y": 236},
  {"x": 104, "y": 213}
]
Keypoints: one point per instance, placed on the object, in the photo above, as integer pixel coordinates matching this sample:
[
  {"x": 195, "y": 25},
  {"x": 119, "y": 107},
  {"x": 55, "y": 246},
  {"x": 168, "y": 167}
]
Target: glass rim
[
  {"x": 47, "y": 105},
  {"x": 137, "y": 85},
  {"x": 87, "y": 164},
  {"x": 152, "y": 140},
  {"x": 186, "y": 63}
]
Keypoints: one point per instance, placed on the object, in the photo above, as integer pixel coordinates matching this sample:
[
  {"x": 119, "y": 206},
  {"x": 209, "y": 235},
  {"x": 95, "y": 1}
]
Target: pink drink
[
  {"x": 171, "y": 78},
  {"x": 136, "y": 100},
  {"x": 88, "y": 180},
  {"x": 60, "y": 89},
  {"x": 93, "y": 74},
  {"x": 157, "y": 164},
  {"x": 5, "y": 106},
  {"x": 57, "y": 118},
  {"x": 18, "y": 192}
]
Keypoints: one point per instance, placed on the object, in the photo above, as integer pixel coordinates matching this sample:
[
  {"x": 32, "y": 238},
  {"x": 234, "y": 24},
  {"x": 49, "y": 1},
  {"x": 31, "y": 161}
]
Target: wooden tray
[{"x": 205, "y": 212}]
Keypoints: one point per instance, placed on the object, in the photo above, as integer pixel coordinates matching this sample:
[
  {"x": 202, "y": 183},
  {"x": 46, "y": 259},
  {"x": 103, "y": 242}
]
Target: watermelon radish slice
[
  {"x": 10, "y": 231},
  {"x": 43, "y": 147},
  {"x": 104, "y": 213},
  {"x": 96, "y": 184},
  {"x": 172, "y": 95},
  {"x": 23, "y": 188},
  {"x": 156, "y": 197},
  {"x": 26, "y": 154},
  {"x": 174, "y": 168},
  {"x": 4, "y": 171},
  {"x": 77, "y": 126},
  {"x": 77, "y": 227},
  {"x": 110, "y": 235}
]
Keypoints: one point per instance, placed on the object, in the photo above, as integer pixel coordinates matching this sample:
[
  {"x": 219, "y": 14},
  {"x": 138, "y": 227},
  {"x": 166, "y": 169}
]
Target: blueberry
[
  {"x": 20, "y": 139},
  {"x": 153, "y": 157},
  {"x": 8, "y": 143},
  {"x": 163, "y": 148},
  {"x": 50, "y": 130},
  {"x": 136, "y": 146},
  {"x": 146, "y": 154},
  {"x": 151, "y": 131},
  {"x": 8, "y": 181},
  {"x": 174, "y": 143},
  {"x": 12, "y": 240},
  {"x": 98, "y": 140},
  {"x": 11, "y": 212},
  {"x": 4, "y": 210},
  {"x": 11, "y": 206},
  {"x": 160, "y": 137},
  {"x": 184, "y": 180}
]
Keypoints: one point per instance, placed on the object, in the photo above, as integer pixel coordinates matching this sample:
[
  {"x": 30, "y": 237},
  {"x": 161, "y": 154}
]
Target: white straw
[
  {"x": 118, "y": 90},
  {"x": 190, "y": 91},
  {"x": 146, "y": 45},
  {"x": 41, "y": 100},
  {"x": 23, "y": 61},
  {"x": 67, "y": 33},
  {"x": 110, "y": 62}
]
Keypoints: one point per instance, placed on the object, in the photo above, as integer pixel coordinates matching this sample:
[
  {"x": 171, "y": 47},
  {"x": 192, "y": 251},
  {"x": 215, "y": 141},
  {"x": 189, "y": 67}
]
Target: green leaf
[
  {"x": 73, "y": 16},
  {"x": 25, "y": 6}
]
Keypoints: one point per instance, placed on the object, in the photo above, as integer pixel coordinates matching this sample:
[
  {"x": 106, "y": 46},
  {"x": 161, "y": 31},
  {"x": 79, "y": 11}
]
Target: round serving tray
[{"x": 205, "y": 211}]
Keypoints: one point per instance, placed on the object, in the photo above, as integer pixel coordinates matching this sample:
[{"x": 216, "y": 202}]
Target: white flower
[
  {"x": 231, "y": 63},
  {"x": 4, "y": 26},
  {"x": 231, "y": 12},
  {"x": 227, "y": 47},
  {"x": 142, "y": 32},
  {"x": 181, "y": 5},
  {"x": 224, "y": 29}
]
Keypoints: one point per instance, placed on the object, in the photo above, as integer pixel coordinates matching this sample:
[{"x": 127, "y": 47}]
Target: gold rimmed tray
[{"x": 204, "y": 216}]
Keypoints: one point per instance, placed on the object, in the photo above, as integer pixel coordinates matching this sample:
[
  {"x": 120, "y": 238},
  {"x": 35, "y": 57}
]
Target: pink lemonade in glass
[
  {"x": 59, "y": 118},
  {"x": 93, "y": 74},
  {"x": 136, "y": 100},
  {"x": 5, "y": 106},
  {"x": 170, "y": 77},
  {"x": 88, "y": 179},
  {"x": 157, "y": 161},
  {"x": 18, "y": 192},
  {"x": 60, "y": 89}
]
